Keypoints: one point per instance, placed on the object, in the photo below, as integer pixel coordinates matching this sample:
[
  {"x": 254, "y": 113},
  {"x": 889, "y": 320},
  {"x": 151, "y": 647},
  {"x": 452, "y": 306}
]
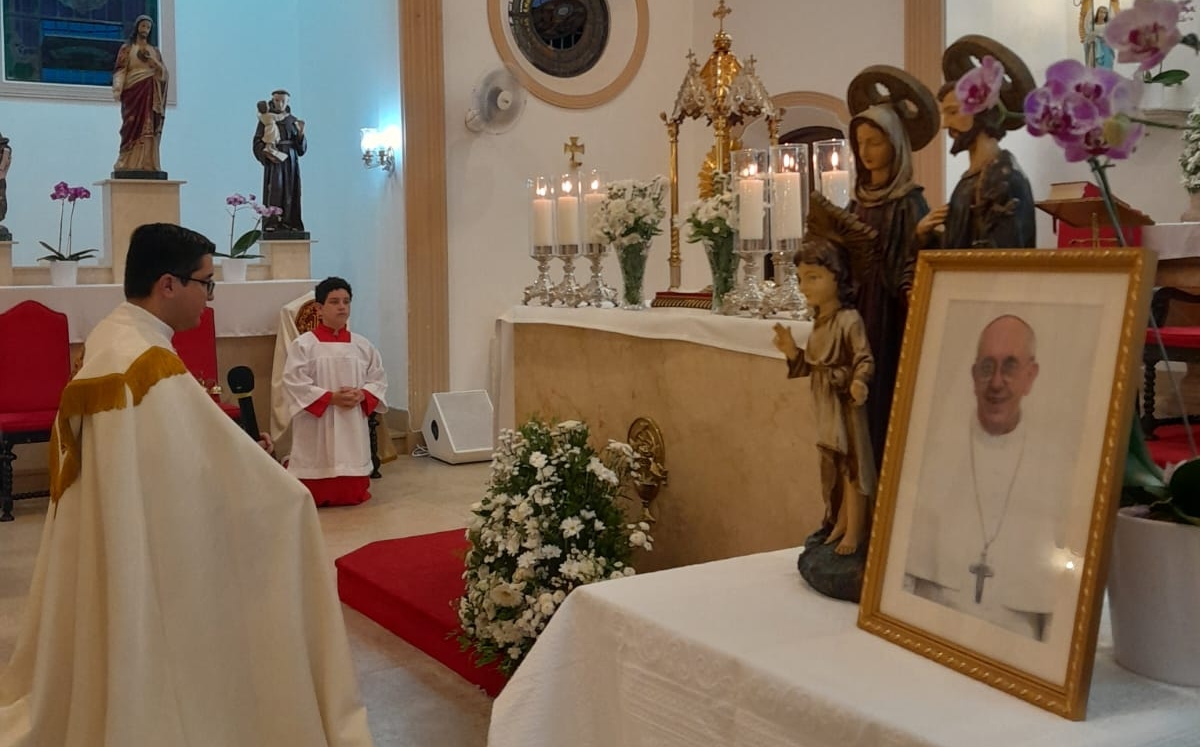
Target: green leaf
[
  {"x": 244, "y": 242},
  {"x": 1170, "y": 77},
  {"x": 54, "y": 253}
]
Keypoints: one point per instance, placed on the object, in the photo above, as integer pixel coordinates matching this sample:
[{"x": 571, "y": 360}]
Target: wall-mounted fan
[{"x": 496, "y": 103}]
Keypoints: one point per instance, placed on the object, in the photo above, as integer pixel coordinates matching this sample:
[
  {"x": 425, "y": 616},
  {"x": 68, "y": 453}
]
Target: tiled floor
[{"x": 412, "y": 701}]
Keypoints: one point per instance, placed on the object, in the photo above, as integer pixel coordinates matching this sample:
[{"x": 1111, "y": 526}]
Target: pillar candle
[
  {"x": 835, "y": 185},
  {"x": 543, "y": 221},
  {"x": 787, "y": 220},
  {"x": 591, "y": 208},
  {"x": 750, "y": 208},
  {"x": 568, "y": 219}
]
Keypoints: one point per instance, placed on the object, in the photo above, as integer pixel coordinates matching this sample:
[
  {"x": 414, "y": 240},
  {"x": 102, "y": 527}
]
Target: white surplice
[
  {"x": 181, "y": 594},
  {"x": 336, "y": 444}
]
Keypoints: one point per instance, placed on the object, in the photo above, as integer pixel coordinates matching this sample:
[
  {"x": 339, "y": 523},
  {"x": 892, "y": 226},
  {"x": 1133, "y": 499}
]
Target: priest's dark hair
[
  {"x": 157, "y": 249},
  {"x": 330, "y": 284}
]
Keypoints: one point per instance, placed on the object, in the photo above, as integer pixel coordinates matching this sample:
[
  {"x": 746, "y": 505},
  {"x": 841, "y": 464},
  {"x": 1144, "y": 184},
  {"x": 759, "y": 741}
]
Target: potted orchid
[
  {"x": 551, "y": 521},
  {"x": 63, "y": 260},
  {"x": 710, "y": 222},
  {"x": 629, "y": 217},
  {"x": 1093, "y": 114},
  {"x": 234, "y": 267}
]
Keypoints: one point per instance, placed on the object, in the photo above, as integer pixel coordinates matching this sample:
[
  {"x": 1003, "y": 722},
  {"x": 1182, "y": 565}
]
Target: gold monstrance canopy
[{"x": 726, "y": 94}]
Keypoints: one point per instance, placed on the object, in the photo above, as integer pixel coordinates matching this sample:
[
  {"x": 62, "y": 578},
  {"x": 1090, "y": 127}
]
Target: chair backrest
[
  {"x": 307, "y": 317},
  {"x": 197, "y": 348},
  {"x": 36, "y": 363}
]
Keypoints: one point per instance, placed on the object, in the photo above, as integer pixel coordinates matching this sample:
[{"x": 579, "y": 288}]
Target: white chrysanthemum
[
  {"x": 571, "y": 526},
  {"x": 538, "y": 459}
]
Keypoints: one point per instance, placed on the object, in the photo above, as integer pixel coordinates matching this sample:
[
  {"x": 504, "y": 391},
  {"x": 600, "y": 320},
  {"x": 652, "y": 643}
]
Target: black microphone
[{"x": 241, "y": 384}]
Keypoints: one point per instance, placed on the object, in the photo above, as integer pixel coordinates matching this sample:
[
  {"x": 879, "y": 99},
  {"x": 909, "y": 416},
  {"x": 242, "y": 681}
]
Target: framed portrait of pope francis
[{"x": 1003, "y": 466}]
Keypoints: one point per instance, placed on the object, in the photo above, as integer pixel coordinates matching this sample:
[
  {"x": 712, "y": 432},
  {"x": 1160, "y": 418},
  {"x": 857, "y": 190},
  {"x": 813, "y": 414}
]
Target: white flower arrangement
[
  {"x": 1189, "y": 160},
  {"x": 711, "y": 220},
  {"x": 632, "y": 212},
  {"x": 550, "y": 522}
]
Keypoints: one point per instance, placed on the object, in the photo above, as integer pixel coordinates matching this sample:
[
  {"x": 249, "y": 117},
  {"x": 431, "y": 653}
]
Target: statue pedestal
[
  {"x": 128, "y": 203},
  {"x": 6, "y": 268},
  {"x": 288, "y": 259}
]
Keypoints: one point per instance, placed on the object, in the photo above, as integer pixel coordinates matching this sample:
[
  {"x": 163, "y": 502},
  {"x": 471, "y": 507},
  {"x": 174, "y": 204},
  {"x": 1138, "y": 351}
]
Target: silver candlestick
[
  {"x": 568, "y": 292},
  {"x": 541, "y": 292},
  {"x": 597, "y": 293},
  {"x": 786, "y": 298}
]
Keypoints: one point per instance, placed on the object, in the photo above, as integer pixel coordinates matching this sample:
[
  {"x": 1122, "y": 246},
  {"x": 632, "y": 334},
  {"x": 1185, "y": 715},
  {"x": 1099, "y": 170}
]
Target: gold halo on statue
[
  {"x": 911, "y": 99},
  {"x": 967, "y": 53}
]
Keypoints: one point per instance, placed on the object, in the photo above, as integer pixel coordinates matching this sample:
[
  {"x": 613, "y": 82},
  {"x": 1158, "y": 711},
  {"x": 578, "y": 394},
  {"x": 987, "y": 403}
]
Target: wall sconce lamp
[{"x": 379, "y": 148}]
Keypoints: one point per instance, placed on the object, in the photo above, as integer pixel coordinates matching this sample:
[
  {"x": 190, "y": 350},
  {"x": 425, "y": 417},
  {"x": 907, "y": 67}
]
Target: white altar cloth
[
  {"x": 246, "y": 309},
  {"x": 741, "y": 653},
  {"x": 697, "y": 326}
]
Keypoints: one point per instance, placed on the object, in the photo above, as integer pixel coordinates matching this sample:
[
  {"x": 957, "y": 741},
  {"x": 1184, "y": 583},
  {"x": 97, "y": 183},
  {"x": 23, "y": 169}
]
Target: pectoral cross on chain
[{"x": 981, "y": 571}]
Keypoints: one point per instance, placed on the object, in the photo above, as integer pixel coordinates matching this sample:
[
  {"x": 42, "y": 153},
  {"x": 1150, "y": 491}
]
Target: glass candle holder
[
  {"x": 751, "y": 171},
  {"x": 596, "y": 293},
  {"x": 540, "y": 194},
  {"x": 833, "y": 163},
  {"x": 568, "y": 213},
  {"x": 789, "y": 206}
]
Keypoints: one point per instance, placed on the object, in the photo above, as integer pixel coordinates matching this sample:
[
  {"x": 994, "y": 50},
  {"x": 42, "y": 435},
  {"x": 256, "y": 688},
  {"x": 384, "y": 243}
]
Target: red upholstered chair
[
  {"x": 34, "y": 369},
  {"x": 1181, "y": 344},
  {"x": 198, "y": 350}
]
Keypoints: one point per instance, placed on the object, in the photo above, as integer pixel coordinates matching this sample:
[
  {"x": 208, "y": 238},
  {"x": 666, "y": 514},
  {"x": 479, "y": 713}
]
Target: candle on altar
[
  {"x": 787, "y": 218},
  {"x": 750, "y": 208},
  {"x": 835, "y": 183},
  {"x": 591, "y": 208},
  {"x": 543, "y": 221},
  {"x": 568, "y": 219}
]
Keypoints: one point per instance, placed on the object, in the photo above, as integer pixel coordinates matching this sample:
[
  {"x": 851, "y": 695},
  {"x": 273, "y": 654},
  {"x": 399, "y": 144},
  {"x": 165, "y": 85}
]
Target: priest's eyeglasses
[
  {"x": 209, "y": 285},
  {"x": 985, "y": 369}
]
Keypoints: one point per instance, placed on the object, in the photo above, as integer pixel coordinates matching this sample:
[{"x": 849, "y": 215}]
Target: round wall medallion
[{"x": 571, "y": 53}]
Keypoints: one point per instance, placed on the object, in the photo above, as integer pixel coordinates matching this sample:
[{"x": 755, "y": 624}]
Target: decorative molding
[
  {"x": 426, "y": 242},
  {"x": 924, "y": 41},
  {"x": 815, "y": 100},
  {"x": 629, "y": 32}
]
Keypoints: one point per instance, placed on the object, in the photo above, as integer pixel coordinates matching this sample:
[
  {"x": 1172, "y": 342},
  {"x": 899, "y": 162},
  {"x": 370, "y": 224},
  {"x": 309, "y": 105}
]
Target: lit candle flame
[
  {"x": 789, "y": 163},
  {"x": 833, "y": 159},
  {"x": 595, "y": 185},
  {"x": 566, "y": 185},
  {"x": 541, "y": 191}
]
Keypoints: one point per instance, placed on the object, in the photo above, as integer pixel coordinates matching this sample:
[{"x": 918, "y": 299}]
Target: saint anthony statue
[
  {"x": 5, "y": 160},
  {"x": 992, "y": 205},
  {"x": 281, "y": 169},
  {"x": 140, "y": 84},
  {"x": 893, "y": 114}
]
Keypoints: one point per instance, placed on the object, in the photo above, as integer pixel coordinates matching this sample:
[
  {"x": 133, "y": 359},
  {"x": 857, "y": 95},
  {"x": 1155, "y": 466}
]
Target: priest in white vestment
[
  {"x": 333, "y": 381},
  {"x": 181, "y": 595},
  {"x": 987, "y": 531}
]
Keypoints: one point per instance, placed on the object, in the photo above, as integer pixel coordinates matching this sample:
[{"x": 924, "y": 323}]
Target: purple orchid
[
  {"x": 239, "y": 247},
  {"x": 67, "y": 193},
  {"x": 1088, "y": 111},
  {"x": 1145, "y": 33},
  {"x": 979, "y": 89}
]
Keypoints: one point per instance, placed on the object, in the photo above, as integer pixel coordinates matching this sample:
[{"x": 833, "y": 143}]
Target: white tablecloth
[
  {"x": 741, "y": 652},
  {"x": 697, "y": 326},
  {"x": 1173, "y": 240},
  {"x": 239, "y": 309}
]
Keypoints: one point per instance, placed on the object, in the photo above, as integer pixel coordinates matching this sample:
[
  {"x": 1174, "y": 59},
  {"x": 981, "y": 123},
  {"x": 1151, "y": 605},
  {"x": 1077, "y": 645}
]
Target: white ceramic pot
[
  {"x": 64, "y": 273},
  {"x": 233, "y": 269},
  {"x": 1154, "y": 598}
]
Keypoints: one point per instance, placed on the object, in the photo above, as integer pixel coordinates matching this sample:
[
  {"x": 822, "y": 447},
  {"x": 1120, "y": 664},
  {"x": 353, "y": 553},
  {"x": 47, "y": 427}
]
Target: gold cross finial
[
  {"x": 720, "y": 14},
  {"x": 574, "y": 148}
]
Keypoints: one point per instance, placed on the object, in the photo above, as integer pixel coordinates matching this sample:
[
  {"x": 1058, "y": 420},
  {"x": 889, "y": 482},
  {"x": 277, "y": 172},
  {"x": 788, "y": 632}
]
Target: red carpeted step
[
  {"x": 1170, "y": 444},
  {"x": 408, "y": 586}
]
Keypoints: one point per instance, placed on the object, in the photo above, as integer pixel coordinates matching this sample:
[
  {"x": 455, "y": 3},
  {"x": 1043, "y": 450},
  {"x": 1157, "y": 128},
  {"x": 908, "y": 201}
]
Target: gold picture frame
[{"x": 1019, "y": 612}]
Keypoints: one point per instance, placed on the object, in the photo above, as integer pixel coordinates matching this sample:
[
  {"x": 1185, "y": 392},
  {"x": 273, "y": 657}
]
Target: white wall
[
  {"x": 487, "y": 210},
  {"x": 230, "y": 55},
  {"x": 1042, "y": 33}
]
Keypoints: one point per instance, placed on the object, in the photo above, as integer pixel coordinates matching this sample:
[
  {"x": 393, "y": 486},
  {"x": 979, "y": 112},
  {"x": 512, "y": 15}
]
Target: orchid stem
[
  {"x": 1106, "y": 194},
  {"x": 62, "y": 208},
  {"x": 70, "y": 230}
]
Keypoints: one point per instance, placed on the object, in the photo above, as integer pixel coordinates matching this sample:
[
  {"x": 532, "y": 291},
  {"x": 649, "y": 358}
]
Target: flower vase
[
  {"x": 723, "y": 262},
  {"x": 1153, "y": 598},
  {"x": 632, "y": 259},
  {"x": 64, "y": 273},
  {"x": 1192, "y": 214},
  {"x": 233, "y": 269}
]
